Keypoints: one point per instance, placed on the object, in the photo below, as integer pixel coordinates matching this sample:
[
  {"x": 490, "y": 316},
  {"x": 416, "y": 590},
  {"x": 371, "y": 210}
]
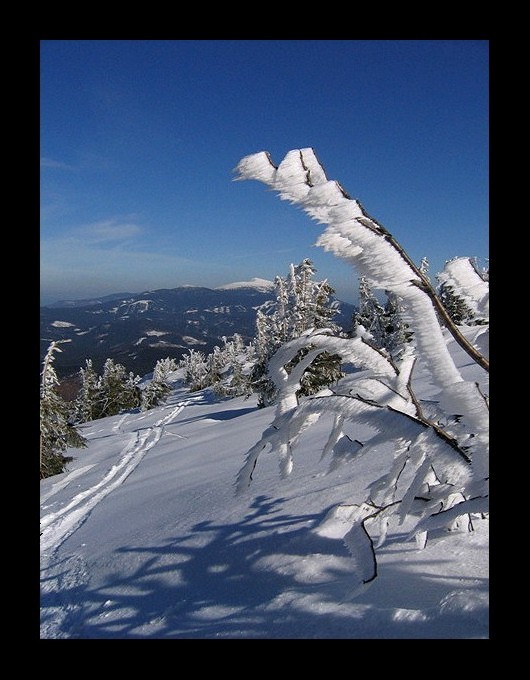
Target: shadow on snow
[{"x": 231, "y": 587}]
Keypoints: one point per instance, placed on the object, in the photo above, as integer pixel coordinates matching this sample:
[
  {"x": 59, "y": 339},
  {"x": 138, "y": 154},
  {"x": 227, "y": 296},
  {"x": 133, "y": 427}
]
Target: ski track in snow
[
  {"x": 56, "y": 527},
  {"x": 64, "y": 482},
  {"x": 120, "y": 422}
]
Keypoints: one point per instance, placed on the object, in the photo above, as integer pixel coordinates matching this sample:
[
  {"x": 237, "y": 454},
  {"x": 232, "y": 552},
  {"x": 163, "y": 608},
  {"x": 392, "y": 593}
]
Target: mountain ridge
[
  {"x": 138, "y": 329},
  {"x": 256, "y": 283}
]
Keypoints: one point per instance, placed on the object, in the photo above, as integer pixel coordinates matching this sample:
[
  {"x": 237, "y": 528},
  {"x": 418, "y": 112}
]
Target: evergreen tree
[
  {"x": 89, "y": 401},
  {"x": 396, "y": 332},
  {"x": 301, "y": 304},
  {"x": 370, "y": 314},
  {"x": 159, "y": 387},
  {"x": 236, "y": 359},
  {"x": 57, "y": 433},
  {"x": 424, "y": 267},
  {"x": 195, "y": 367},
  {"x": 383, "y": 323},
  {"x": 456, "y": 307},
  {"x": 225, "y": 368},
  {"x": 264, "y": 348},
  {"x": 119, "y": 389},
  {"x": 323, "y": 371},
  {"x": 463, "y": 291},
  {"x": 279, "y": 320},
  {"x": 215, "y": 366}
]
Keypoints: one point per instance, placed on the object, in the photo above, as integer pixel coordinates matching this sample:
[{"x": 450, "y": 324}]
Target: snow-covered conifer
[
  {"x": 382, "y": 324},
  {"x": 195, "y": 367},
  {"x": 370, "y": 313},
  {"x": 464, "y": 292},
  {"x": 396, "y": 331},
  {"x": 462, "y": 277},
  {"x": 237, "y": 361},
  {"x": 215, "y": 365},
  {"x": 89, "y": 401},
  {"x": 424, "y": 267},
  {"x": 159, "y": 386},
  {"x": 456, "y": 307},
  {"x": 301, "y": 304},
  {"x": 119, "y": 389},
  {"x": 57, "y": 433}
]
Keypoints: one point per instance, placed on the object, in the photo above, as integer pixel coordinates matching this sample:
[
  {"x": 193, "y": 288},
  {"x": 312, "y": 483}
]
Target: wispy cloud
[
  {"x": 51, "y": 163},
  {"x": 107, "y": 231},
  {"x": 112, "y": 255}
]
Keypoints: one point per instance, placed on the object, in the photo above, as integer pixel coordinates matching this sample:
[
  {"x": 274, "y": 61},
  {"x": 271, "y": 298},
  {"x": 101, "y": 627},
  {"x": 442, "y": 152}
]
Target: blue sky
[{"x": 139, "y": 140}]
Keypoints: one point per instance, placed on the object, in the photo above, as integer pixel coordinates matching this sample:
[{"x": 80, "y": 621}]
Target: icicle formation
[{"x": 449, "y": 464}]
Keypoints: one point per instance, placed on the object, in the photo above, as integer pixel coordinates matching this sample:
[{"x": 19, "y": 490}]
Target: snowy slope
[{"x": 143, "y": 537}]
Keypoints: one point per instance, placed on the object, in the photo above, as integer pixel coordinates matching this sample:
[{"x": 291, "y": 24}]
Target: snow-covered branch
[
  {"x": 353, "y": 235},
  {"x": 439, "y": 457}
]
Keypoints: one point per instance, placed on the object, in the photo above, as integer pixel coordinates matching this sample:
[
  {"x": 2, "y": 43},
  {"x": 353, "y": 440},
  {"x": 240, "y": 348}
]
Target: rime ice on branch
[
  {"x": 446, "y": 452},
  {"x": 354, "y": 236}
]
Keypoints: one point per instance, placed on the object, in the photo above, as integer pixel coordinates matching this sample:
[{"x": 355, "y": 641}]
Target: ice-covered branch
[
  {"x": 436, "y": 520},
  {"x": 384, "y": 418},
  {"x": 440, "y": 451},
  {"x": 356, "y": 237}
]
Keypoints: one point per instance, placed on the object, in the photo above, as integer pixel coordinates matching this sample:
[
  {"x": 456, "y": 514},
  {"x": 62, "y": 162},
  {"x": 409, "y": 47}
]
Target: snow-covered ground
[{"x": 144, "y": 537}]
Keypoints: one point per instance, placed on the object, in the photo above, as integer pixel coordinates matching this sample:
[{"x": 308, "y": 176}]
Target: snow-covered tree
[
  {"x": 424, "y": 267},
  {"x": 265, "y": 330},
  {"x": 57, "y": 433},
  {"x": 301, "y": 303},
  {"x": 89, "y": 404},
  {"x": 119, "y": 389},
  {"x": 215, "y": 365},
  {"x": 464, "y": 292},
  {"x": 195, "y": 365},
  {"x": 381, "y": 324},
  {"x": 107, "y": 394},
  {"x": 457, "y": 309},
  {"x": 159, "y": 387},
  {"x": 396, "y": 331},
  {"x": 237, "y": 361},
  {"x": 440, "y": 469},
  {"x": 370, "y": 314}
]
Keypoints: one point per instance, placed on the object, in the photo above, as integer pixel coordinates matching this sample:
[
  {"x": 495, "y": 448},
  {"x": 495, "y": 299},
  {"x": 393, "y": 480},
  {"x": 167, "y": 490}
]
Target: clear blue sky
[{"x": 139, "y": 140}]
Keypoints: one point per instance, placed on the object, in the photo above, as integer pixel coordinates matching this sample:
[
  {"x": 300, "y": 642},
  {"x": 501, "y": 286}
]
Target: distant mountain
[
  {"x": 137, "y": 329},
  {"x": 91, "y": 301},
  {"x": 262, "y": 285}
]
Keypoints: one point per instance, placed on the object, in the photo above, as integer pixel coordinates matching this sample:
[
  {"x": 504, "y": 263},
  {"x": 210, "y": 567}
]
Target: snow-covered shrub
[{"x": 439, "y": 470}]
